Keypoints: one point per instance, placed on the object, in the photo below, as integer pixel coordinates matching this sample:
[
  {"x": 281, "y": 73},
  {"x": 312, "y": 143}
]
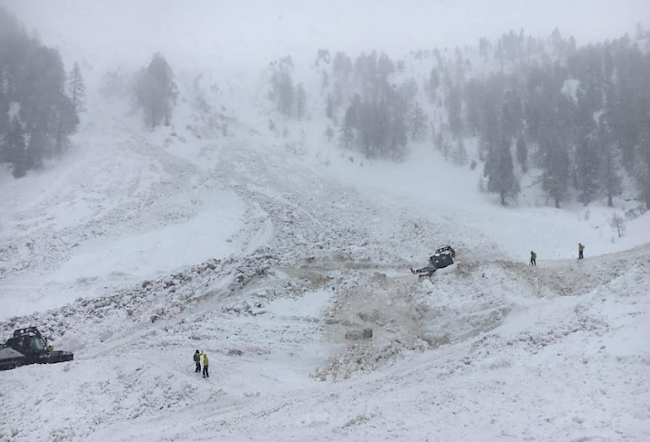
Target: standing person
[
  {"x": 206, "y": 362},
  {"x": 533, "y": 258},
  {"x": 197, "y": 361},
  {"x": 581, "y": 249}
]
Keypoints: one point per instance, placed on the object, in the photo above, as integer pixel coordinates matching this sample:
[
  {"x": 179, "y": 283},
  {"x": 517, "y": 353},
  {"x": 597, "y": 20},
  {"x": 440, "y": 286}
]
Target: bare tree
[{"x": 617, "y": 223}]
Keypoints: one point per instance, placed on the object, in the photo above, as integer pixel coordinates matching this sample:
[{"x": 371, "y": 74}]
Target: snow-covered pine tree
[
  {"x": 418, "y": 123},
  {"x": 347, "y": 132},
  {"x": 499, "y": 170},
  {"x": 522, "y": 153},
  {"x": 77, "y": 89},
  {"x": 14, "y": 152}
]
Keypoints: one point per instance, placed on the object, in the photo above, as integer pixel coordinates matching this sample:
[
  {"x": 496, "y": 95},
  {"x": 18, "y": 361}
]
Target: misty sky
[{"x": 129, "y": 31}]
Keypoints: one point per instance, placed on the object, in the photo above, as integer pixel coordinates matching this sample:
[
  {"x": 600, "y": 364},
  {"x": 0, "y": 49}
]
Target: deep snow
[{"x": 265, "y": 252}]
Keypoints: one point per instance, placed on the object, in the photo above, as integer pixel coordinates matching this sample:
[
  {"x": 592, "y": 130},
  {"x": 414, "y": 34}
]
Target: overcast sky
[{"x": 235, "y": 30}]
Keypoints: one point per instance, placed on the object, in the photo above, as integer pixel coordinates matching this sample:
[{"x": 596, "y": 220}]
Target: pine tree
[
  {"x": 460, "y": 153},
  {"x": 555, "y": 165},
  {"x": 77, "y": 89},
  {"x": 329, "y": 109},
  {"x": 418, "y": 123},
  {"x": 347, "y": 135},
  {"x": 642, "y": 171},
  {"x": 434, "y": 82},
  {"x": 522, "y": 153},
  {"x": 4, "y": 105},
  {"x": 155, "y": 91},
  {"x": 329, "y": 134},
  {"x": 442, "y": 144},
  {"x": 499, "y": 169},
  {"x": 286, "y": 93},
  {"x": 588, "y": 167},
  {"x": 15, "y": 152},
  {"x": 610, "y": 180},
  {"x": 454, "y": 109},
  {"x": 301, "y": 102}
]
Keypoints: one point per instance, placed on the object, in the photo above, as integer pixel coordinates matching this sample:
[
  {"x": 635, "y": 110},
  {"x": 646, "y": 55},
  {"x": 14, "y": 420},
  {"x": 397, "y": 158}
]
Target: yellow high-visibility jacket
[{"x": 206, "y": 361}]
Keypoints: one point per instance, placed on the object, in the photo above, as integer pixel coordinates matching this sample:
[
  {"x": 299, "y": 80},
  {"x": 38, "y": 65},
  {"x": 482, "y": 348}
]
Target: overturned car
[{"x": 443, "y": 257}]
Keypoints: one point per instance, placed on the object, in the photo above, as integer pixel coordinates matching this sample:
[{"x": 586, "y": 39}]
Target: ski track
[{"x": 464, "y": 356}]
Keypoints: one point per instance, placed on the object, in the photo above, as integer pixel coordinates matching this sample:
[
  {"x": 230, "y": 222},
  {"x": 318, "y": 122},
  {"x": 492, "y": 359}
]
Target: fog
[{"x": 253, "y": 31}]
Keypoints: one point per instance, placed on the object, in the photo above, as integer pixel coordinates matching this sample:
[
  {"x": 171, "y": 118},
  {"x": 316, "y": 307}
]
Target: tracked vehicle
[{"x": 29, "y": 346}]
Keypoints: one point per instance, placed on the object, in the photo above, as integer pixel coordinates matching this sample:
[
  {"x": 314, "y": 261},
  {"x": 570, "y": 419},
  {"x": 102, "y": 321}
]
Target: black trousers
[
  {"x": 198, "y": 368},
  {"x": 533, "y": 262},
  {"x": 205, "y": 372},
  {"x": 580, "y": 255}
]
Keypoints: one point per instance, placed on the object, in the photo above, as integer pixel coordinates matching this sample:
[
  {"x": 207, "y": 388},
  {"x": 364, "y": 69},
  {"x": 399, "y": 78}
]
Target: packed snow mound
[{"x": 478, "y": 337}]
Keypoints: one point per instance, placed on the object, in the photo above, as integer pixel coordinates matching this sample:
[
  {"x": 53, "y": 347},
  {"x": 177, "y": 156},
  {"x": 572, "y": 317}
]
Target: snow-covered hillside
[
  {"x": 266, "y": 258},
  {"x": 273, "y": 251}
]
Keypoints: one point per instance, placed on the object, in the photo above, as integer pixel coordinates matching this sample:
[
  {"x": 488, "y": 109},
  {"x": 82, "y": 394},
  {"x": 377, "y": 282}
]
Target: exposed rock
[{"x": 357, "y": 335}]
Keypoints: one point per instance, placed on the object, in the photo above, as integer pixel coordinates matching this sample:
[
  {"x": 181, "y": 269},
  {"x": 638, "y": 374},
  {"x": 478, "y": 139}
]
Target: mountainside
[
  {"x": 242, "y": 228},
  {"x": 487, "y": 350}
]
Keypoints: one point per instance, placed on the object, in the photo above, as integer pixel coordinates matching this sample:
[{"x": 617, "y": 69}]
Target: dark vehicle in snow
[
  {"x": 29, "y": 346},
  {"x": 443, "y": 257}
]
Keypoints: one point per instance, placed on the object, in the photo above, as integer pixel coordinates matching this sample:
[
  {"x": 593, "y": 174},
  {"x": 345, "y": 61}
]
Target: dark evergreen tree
[
  {"x": 329, "y": 109},
  {"x": 460, "y": 153},
  {"x": 301, "y": 102},
  {"x": 347, "y": 133},
  {"x": 588, "y": 168},
  {"x": 522, "y": 153},
  {"x": 642, "y": 171},
  {"x": 609, "y": 177},
  {"x": 499, "y": 170},
  {"x": 418, "y": 123},
  {"x": 15, "y": 152},
  {"x": 454, "y": 110},
  {"x": 555, "y": 165},
  {"x": 155, "y": 91},
  {"x": 77, "y": 89},
  {"x": 434, "y": 82}
]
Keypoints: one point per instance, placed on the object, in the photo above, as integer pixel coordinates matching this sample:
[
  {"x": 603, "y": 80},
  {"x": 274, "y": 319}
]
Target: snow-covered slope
[
  {"x": 271, "y": 252},
  {"x": 303, "y": 253}
]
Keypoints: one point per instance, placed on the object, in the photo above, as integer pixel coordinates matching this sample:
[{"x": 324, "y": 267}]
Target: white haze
[{"x": 256, "y": 31}]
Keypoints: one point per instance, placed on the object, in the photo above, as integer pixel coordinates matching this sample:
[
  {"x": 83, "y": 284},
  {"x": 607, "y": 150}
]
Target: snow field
[{"x": 266, "y": 253}]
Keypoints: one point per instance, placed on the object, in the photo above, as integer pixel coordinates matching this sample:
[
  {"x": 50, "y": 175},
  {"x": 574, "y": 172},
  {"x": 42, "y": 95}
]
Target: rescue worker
[
  {"x": 206, "y": 362},
  {"x": 533, "y": 258},
  {"x": 581, "y": 249},
  {"x": 197, "y": 361}
]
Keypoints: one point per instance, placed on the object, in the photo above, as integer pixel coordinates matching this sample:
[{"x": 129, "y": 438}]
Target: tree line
[
  {"x": 583, "y": 120},
  {"x": 39, "y": 103},
  {"x": 578, "y": 117}
]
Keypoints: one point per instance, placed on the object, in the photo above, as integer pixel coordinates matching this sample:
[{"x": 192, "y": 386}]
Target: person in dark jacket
[
  {"x": 533, "y": 258},
  {"x": 197, "y": 361}
]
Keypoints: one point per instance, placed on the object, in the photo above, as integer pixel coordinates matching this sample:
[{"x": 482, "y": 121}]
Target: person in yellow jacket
[
  {"x": 581, "y": 250},
  {"x": 206, "y": 362},
  {"x": 533, "y": 258}
]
